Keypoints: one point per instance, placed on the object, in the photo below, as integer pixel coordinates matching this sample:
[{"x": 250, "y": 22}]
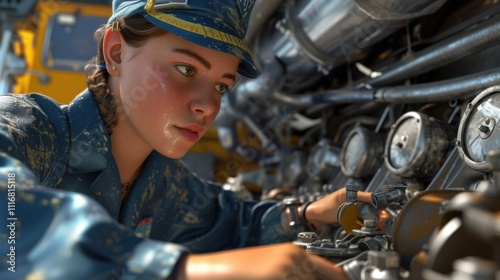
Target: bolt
[
  {"x": 483, "y": 128},
  {"x": 369, "y": 223},
  {"x": 384, "y": 260}
]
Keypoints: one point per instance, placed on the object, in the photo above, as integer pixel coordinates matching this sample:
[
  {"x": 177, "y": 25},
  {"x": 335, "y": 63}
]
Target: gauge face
[
  {"x": 417, "y": 145},
  {"x": 354, "y": 151},
  {"x": 404, "y": 142},
  {"x": 478, "y": 132},
  {"x": 362, "y": 153}
]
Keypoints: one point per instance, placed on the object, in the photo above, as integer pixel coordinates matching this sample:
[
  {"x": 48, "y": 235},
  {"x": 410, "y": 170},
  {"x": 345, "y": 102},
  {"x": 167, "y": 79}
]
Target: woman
[{"x": 153, "y": 90}]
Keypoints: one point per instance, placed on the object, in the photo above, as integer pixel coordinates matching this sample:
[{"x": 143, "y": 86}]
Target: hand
[
  {"x": 324, "y": 211},
  {"x": 281, "y": 261}
]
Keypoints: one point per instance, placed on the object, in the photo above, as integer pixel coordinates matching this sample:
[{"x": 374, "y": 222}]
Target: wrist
[{"x": 308, "y": 215}]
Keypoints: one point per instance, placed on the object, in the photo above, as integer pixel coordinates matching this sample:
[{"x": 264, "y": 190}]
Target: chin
[{"x": 175, "y": 153}]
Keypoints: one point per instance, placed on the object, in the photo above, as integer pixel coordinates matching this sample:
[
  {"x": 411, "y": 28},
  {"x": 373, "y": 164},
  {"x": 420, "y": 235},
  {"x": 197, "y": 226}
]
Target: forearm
[
  {"x": 324, "y": 211},
  {"x": 263, "y": 262}
]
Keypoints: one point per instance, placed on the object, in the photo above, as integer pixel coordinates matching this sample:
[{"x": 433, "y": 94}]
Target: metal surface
[
  {"x": 452, "y": 49},
  {"x": 362, "y": 153},
  {"x": 322, "y": 33},
  {"x": 381, "y": 266},
  {"x": 478, "y": 132},
  {"x": 291, "y": 171},
  {"x": 323, "y": 161},
  {"x": 351, "y": 216},
  {"x": 417, "y": 145},
  {"x": 417, "y": 221}
]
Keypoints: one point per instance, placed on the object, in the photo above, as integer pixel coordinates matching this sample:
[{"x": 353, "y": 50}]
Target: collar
[{"x": 90, "y": 145}]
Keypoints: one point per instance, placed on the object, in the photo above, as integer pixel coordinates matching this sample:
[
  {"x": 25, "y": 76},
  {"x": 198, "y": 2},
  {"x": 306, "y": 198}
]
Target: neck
[{"x": 129, "y": 151}]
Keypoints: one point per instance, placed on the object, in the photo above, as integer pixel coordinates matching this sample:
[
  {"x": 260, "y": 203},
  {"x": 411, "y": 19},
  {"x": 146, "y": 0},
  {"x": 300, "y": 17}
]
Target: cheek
[
  {"x": 146, "y": 92},
  {"x": 155, "y": 79}
]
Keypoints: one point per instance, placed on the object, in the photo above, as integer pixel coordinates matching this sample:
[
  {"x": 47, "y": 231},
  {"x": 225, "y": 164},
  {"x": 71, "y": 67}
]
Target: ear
[{"x": 112, "y": 51}]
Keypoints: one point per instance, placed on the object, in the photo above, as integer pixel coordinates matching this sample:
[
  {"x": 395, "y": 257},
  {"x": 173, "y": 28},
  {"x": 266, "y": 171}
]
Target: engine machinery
[
  {"x": 397, "y": 97},
  {"x": 400, "y": 98}
]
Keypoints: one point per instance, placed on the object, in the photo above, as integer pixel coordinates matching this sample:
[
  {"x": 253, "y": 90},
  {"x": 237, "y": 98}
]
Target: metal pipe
[
  {"x": 455, "y": 88},
  {"x": 326, "y": 97},
  {"x": 232, "y": 108},
  {"x": 271, "y": 79},
  {"x": 232, "y": 104},
  {"x": 318, "y": 35},
  {"x": 262, "y": 11},
  {"x": 440, "y": 54},
  {"x": 441, "y": 91}
]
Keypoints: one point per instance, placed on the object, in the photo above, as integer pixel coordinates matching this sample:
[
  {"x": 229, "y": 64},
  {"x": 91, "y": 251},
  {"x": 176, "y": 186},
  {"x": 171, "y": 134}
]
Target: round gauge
[
  {"x": 323, "y": 160},
  {"x": 362, "y": 153},
  {"x": 478, "y": 131},
  {"x": 417, "y": 145}
]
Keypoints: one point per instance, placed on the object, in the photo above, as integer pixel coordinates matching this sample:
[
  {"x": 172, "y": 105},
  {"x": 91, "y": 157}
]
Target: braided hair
[{"x": 136, "y": 31}]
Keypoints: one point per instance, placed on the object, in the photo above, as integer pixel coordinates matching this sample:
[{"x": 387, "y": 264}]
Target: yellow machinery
[{"x": 56, "y": 40}]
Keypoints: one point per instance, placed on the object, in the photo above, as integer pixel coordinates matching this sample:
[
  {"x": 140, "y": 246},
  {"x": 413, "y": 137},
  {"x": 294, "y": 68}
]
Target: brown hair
[{"x": 136, "y": 31}]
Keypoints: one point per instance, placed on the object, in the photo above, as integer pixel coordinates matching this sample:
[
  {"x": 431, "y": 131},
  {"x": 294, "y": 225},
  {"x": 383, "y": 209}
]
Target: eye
[
  {"x": 221, "y": 88},
  {"x": 186, "y": 70}
]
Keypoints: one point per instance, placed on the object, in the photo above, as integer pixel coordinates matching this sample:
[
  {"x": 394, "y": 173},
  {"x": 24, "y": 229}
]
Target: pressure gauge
[
  {"x": 362, "y": 153},
  {"x": 324, "y": 160},
  {"x": 417, "y": 145},
  {"x": 478, "y": 131}
]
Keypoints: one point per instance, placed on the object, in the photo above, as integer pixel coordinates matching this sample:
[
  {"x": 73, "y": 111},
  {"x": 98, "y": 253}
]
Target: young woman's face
[{"x": 170, "y": 90}]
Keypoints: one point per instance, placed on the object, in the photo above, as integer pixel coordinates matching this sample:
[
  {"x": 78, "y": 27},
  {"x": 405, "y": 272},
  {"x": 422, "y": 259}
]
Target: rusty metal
[{"x": 417, "y": 221}]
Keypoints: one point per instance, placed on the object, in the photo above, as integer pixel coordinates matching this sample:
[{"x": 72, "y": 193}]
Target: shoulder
[
  {"x": 34, "y": 112},
  {"x": 35, "y": 130},
  {"x": 20, "y": 104}
]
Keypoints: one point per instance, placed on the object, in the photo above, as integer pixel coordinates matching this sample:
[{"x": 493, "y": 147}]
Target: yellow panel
[{"x": 62, "y": 85}]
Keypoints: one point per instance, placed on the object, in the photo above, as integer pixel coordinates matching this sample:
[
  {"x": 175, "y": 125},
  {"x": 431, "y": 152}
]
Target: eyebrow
[
  {"x": 195, "y": 56},
  {"x": 202, "y": 61}
]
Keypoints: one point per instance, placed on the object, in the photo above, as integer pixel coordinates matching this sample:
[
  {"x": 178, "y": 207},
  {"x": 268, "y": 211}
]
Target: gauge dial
[
  {"x": 478, "y": 131},
  {"x": 362, "y": 153},
  {"x": 417, "y": 145}
]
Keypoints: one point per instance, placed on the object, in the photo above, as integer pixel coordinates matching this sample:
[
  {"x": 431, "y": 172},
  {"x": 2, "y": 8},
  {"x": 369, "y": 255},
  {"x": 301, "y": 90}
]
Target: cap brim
[{"x": 208, "y": 34}]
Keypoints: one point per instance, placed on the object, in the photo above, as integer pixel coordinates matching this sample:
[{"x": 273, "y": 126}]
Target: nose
[{"x": 205, "y": 102}]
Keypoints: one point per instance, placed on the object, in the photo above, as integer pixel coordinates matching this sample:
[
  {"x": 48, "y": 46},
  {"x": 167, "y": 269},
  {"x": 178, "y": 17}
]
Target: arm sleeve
[
  {"x": 33, "y": 141},
  {"x": 61, "y": 235},
  {"x": 205, "y": 218}
]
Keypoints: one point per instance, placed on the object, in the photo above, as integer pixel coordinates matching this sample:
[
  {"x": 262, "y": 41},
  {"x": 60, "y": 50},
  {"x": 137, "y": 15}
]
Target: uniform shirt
[{"x": 67, "y": 150}]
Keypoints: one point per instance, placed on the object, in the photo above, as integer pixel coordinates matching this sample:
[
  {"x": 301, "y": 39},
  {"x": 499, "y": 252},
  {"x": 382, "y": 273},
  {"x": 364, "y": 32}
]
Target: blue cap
[{"x": 216, "y": 24}]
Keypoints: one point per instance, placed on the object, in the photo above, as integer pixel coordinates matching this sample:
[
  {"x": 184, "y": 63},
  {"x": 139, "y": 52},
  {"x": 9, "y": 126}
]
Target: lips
[{"x": 191, "y": 133}]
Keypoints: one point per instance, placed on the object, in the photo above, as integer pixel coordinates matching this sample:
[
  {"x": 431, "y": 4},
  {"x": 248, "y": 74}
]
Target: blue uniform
[{"x": 168, "y": 212}]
